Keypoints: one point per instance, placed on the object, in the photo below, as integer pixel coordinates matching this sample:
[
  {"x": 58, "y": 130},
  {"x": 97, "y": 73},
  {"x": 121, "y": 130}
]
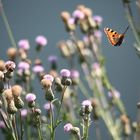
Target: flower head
[
  {"x": 10, "y": 66},
  {"x": 48, "y": 106},
  {"x": 98, "y": 19},
  {"x": 52, "y": 58},
  {"x": 24, "y": 44},
  {"x": 41, "y": 40},
  {"x": 86, "y": 103},
  {"x": 23, "y": 65},
  {"x": 74, "y": 74},
  {"x": 65, "y": 73},
  {"x": 30, "y": 97},
  {"x": 49, "y": 77},
  {"x": 24, "y": 113},
  {"x": 78, "y": 14},
  {"x": 68, "y": 127},
  {"x": 2, "y": 124},
  {"x": 38, "y": 69}
]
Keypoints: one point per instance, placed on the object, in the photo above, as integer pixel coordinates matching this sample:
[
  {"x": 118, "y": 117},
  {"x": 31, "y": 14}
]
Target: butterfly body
[{"x": 114, "y": 37}]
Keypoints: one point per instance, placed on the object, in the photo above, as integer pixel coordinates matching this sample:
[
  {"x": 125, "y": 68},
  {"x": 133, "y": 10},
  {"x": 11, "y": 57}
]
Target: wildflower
[
  {"x": 53, "y": 61},
  {"x": 10, "y": 66},
  {"x": 86, "y": 108},
  {"x": 68, "y": 127},
  {"x": 30, "y": 98},
  {"x": 41, "y": 40},
  {"x": 23, "y": 65},
  {"x": 2, "y": 125},
  {"x": 71, "y": 21},
  {"x": 74, "y": 74},
  {"x": 98, "y": 19},
  {"x": 46, "y": 83},
  {"x": 49, "y": 77},
  {"x": 48, "y": 106},
  {"x": 24, "y": 44},
  {"x": 38, "y": 69},
  {"x": 65, "y": 74},
  {"x": 24, "y": 113},
  {"x": 77, "y": 14}
]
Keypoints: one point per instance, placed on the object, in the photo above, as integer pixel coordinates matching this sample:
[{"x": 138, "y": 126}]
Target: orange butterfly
[{"x": 115, "y": 38}]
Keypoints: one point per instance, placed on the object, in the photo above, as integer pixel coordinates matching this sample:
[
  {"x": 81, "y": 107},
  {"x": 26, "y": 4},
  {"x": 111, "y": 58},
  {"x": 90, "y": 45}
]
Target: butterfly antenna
[{"x": 126, "y": 30}]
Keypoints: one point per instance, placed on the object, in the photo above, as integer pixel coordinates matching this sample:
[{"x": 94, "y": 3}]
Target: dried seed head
[
  {"x": 46, "y": 83},
  {"x": 81, "y": 7},
  {"x": 12, "y": 52},
  {"x": 87, "y": 12},
  {"x": 11, "y": 109},
  {"x": 124, "y": 119},
  {"x": 16, "y": 90},
  {"x": 65, "y": 16},
  {"x": 2, "y": 65},
  {"x": 37, "y": 111},
  {"x": 8, "y": 95}
]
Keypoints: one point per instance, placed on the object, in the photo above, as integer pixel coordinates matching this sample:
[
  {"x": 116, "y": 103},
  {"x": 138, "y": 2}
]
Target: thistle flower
[
  {"x": 74, "y": 74},
  {"x": 46, "y": 83},
  {"x": 24, "y": 113},
  {"x": 48, "y": 106},
  {"x": 24, "y": 44},
  {"x": 77, "y": 14},
  {"x": 30, "y": 98},
  {"x": 41, "y": 40},
  {"x": 10, "y": 66},
  {"x": 38, "y": 69},
  {"x": 23, "y": 65},
  {"x": 49, "y": 77},
  {"x": 65, "y": 16},
  {"x": 86, "y": 108},
  {"x": 2, "y": 125},
  {"x": 53, "y": 61},
  {"x": 68, "y": 127},
  {"x": 16, "y": 90},
  {"x": 65, "y": 74},
  {"x": 98, "y": 19}
]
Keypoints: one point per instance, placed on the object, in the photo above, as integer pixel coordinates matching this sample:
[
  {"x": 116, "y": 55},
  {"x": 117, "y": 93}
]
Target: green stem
[
  {"x": 21, "y": 127},
  {"x": 9, "y": 31},
  {"x": 39, "y": 133},
  {"x": 85, "y": 128},
  {"x": 52, "y": 123},
  {"x": 61, "y": 101}
]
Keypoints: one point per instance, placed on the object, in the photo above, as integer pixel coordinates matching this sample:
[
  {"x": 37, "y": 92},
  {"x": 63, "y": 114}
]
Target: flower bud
[
  {"x": 46, "y": 84},
  {"x": 2, "y": 65},
  {"x": 11, "y": 109},
  {"x": 16, "y": 90},
  {"x": 18, "y": 102},
  {"x": 24, "y": 44},
  {"x": 65, "y": 16},
  {"x": 30, "y": 98},
  {"x": 37, "y": 111},
  {"x": 68, "y": 127},
  {"x": 10, "y": 66},
  {"x": 49, "y": 95},
  {"x": 12, "y": 53}
]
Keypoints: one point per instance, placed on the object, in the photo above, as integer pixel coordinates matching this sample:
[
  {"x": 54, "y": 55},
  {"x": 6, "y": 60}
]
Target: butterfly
[{"x": 114, "y": 37}]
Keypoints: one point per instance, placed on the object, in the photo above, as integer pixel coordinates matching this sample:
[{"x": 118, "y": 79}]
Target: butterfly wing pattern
[{"x": 114, "y": 37}]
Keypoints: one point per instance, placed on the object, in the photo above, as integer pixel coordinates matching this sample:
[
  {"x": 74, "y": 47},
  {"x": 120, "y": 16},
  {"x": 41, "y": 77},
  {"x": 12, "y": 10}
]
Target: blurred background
[{"x": 29, "y": 18}]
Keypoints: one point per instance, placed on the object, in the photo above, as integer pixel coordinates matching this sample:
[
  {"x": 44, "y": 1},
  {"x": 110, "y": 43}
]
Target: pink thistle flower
[
  {"x": 68, "y": 127},
  {"x": 74, "y": 74},
  {"x": 30, "y": 97},
  {"x": 86, "y": 103},
  {"x": 52, "y": 58},
  {"x": 65, "y": 73},
  {"x": 78, "y": 14},
  {"x": 49, "y": 77},
  {"x": 24, "y": 113},
  {"x": 98, "y": 19},
  {"x": 23, "y": 65},
  {"x": 41, "y": 40},
  {"x": 2, "y": 124},
  {"x": 10, "y": 66},
  {"x": 24, "y": 44},
  {"x": 71, "y": 21},
  {"x": 38, "y": 69},
  {"x": 48, "y": 106}
]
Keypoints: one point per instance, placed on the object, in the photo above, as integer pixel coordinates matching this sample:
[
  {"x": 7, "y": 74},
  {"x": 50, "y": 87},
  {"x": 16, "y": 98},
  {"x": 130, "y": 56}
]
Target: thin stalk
[
  {"x": 8, "y": 29},
  {"x": 97, "y": 130},
  {"x": 85, "y": 128},
  {"x": 61, "y": 101},
  {"x": 15, "y": 127},
  {"x": 21, "y": 126},
  {"x": 52, "y": 123},
  {"x": 39, "y": 133}
]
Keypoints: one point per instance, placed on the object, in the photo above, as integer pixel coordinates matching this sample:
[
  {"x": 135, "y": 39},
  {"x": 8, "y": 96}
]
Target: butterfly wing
[{"x": 114, "y": 38}]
